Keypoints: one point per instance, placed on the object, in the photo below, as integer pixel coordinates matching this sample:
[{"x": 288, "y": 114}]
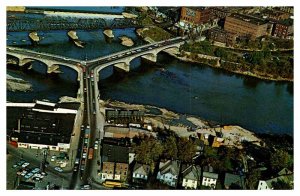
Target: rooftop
[
  {"x": 232, "y": 179},
  {"x": 115, "y": 153},
  {"x": 247, "y": 18},
  {"x": 169, "y": 167},
  {"x": 210, "y": 175},
  {"x": 192, "y": 172},
  {"x": 141, "y": 169}
]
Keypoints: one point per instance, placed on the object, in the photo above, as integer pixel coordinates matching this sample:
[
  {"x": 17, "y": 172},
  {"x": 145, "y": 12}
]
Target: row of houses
[{"x": 118, "y": 164}]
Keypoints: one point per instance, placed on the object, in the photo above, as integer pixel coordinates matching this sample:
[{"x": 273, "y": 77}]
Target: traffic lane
[{"x": 94, "y": 64}]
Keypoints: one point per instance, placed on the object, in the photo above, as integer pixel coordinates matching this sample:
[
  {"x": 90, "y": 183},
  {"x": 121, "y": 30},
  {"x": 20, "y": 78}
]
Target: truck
[
  {"x": 91, "y": 153},
  {"x": 87, "y": 133}
]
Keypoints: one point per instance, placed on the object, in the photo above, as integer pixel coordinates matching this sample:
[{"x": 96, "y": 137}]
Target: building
[
  {"x": 284, "y": 175},
  {"x": 195, "y": 15},
  {"x": 245, "y": 25},
  {"x": 41, "y": 125},
  {"x": 126, "y": 132},
  {"x": 209, "y": 178},
  {"x": 191, "y": 177},
  {"x": 140, "y": 172},
  {"x": 114, "y": 162},
  {"x": 268, "y": 184},
  {"x": 276, "y": 14},
  {"x": 220, "y": 12},
  {"x": 168, "y": 172},
  {"x": 220, "y": 36},
  {"x": 233, "y": 181},
  {"x": 282, "y": 29},
  {"x": 118, "y": 116}
]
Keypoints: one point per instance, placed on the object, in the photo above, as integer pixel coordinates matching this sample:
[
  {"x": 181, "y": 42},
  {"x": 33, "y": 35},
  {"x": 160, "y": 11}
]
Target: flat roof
[
  {"x": 115, "y": 153},
  {"x": 248, "y": 18},
  {"x": 39, "y": 127}
]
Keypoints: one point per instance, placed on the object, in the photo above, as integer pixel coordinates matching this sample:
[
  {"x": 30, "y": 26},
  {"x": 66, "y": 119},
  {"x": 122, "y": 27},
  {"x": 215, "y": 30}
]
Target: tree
[
  {"x": 253, "y": 178},
  {"x": 148, "y": 151},
  {"x": 170, "y": 148},
  {"x": 280, "y": 159},
  {"x": 186, "y": 150},
  {"x": 281, "y": 185}
]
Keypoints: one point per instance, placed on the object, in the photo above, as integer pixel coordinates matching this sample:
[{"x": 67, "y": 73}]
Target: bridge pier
[
  {"x": 53, "y": 69},
  {"x": 150, "y": 57},
  {"x": 22, "y": 62},
  {"x": 121, "y": 67}
]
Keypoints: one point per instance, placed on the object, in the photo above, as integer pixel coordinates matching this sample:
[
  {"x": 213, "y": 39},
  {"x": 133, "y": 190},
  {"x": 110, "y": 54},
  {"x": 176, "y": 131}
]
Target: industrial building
[{"x": 41, "y": 125}]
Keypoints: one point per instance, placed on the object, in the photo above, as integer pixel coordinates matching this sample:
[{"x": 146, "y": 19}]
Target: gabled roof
[
  {"x": 169, "y": 167},
  {"x": 192, "y": 172},
  {"x": 286, "y": 178},
  {"x": 284, "y": 171},
  {"x": 234, "y": 179},
  {"x": 210, "y": 175},
  {"x": 141, "y": 169}
]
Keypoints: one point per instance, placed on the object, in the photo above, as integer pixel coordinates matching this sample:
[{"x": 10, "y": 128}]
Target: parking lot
[{"x": 23, "y": 170}]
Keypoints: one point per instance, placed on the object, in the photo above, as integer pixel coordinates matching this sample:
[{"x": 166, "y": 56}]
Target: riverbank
[
  {"x": 17, "y": 84},
  {"x": 175, "y": 53},
  {"x": 150, "y": 35},
  {"x": 186, "y": 125}
]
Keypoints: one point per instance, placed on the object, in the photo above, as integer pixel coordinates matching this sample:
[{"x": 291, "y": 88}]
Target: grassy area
[{"x": 156, "y": 33}]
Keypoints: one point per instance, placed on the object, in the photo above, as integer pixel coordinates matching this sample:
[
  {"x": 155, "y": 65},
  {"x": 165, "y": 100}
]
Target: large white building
[{"x": 42, "y": 125}]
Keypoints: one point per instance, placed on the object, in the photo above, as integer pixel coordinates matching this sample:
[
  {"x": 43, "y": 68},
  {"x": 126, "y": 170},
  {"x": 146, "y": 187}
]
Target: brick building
[
  {"x": 244, "y": 25},
  {"x": 195, "y": 15},
  {"x": 283, "y": 29},
  {"x": 115, "y": 160}
]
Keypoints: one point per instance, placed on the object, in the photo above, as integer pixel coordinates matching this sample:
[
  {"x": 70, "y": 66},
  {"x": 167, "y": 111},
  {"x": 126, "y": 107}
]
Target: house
[
  {"x": 168, "y": 172},
  {"x": 209, "y": 178},
  {"x": 268, "y": 184},
  {"x": 233, "y": 181},
  {"x": 191, "y": 177},
  {"x": 284, "y": 175},
  {"x": 199, "y": 145},
  {"x": 140, "y": 172}
]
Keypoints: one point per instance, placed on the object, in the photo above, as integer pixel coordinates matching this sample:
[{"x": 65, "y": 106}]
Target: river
[{"x": 186, "y": 88}]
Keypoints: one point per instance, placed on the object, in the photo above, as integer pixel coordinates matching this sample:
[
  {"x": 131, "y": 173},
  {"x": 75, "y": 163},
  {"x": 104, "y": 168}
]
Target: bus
[
  {"x": 91, "y": 153},
  {"x": 112, "y": 184}
]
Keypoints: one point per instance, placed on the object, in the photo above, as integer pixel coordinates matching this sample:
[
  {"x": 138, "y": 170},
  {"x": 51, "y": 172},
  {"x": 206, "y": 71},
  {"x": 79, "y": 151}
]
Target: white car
[
  {"x": 96, "y": 144},
  {"x": 58, "y": 169},
  {"x": 53, "y": 158},
  {"x": 84, "y": 155},
  {"x": 23, "y": 173},
  {"x": 25, "y": 164}
]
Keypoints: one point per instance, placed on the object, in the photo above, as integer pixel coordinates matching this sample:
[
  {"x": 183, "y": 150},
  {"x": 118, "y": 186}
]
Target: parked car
[
  {"x": 24, "y": 173},
  {"x": 25, "y": 164},
  {"x": 58, "y": 169},
  {"x": 29, "y": 175},
  {"x": 53, "y": 158},
  {"x": 21, "y": 162}
]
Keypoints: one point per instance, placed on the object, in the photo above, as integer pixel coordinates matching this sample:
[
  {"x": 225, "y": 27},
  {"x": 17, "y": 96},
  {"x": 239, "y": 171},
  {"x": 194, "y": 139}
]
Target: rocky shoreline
[
  {"x": 181, "y": 124},
  {"x": 17, "y": 84}
]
